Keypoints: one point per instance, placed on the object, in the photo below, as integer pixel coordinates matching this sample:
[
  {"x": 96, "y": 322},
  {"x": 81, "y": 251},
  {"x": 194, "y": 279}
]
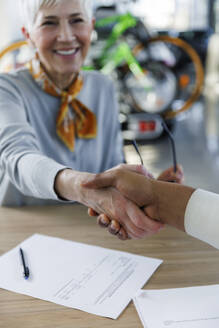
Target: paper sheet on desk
[
  {"x": 193, "y": 307},
  {"x": 93, "y": 279}
]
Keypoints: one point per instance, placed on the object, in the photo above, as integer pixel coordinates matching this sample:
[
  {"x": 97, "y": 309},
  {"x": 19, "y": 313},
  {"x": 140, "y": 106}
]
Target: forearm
[
  {"x": 22, "y": 161},
  {"x": 34, "y": 175},
  {"x": 170, "y": 200}
]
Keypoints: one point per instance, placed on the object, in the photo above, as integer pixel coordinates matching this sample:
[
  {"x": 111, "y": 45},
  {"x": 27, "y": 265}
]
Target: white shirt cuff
[{"x": 202, "y": 217}]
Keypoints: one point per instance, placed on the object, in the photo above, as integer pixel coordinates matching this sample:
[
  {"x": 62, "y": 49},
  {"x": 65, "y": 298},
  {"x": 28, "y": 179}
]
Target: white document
[
  {"x": 193, "y": 307},
  {"x": 93, "y": 279}
]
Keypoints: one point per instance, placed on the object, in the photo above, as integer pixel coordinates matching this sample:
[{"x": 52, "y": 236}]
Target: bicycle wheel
[
  {"x": 14, "y": 56},
  {"x": 197, "y": 87},
  {"x": 155, "y": 90}
]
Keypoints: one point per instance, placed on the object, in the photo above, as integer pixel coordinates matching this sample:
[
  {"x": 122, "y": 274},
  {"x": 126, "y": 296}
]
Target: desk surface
[{"x": 187, "y": 262}]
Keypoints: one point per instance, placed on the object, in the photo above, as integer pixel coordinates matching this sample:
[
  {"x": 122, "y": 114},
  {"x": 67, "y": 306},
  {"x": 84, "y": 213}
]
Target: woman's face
[{"x": 61, "y": 35}]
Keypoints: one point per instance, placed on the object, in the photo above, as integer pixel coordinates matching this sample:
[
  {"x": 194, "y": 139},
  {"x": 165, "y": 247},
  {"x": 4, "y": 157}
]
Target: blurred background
[
  {"x": 173, "y": 15},
  {"x": 163, "y": 58}
]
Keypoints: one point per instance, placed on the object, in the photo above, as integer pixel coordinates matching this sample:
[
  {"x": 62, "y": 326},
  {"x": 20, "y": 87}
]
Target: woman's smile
[{"x": 68, "y": 54}]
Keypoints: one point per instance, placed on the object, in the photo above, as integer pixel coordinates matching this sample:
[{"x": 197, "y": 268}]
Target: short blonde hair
[{"x": 30, "y": 8}]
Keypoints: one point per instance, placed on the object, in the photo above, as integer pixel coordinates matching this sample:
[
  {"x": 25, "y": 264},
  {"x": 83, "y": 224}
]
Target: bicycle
[{"x": 146, "y": 83}]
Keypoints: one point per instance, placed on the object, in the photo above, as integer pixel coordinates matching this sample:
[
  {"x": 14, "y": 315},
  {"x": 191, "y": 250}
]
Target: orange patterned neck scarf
[{"x": 74, "y": 118}]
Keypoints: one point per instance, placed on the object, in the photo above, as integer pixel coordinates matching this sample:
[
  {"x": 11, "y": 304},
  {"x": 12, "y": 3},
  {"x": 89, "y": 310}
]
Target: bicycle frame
[
  {"x": 110, "y": 59},
  {"x": 122, "y": 23}
]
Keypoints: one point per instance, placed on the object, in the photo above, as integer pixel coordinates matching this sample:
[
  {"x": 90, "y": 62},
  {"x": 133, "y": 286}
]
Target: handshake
[{"x": 132, "y": 204}]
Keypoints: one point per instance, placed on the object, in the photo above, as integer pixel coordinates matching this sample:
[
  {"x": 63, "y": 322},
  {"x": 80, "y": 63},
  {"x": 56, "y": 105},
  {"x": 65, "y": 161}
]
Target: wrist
[
  {"x": 61, "y": 182},
  {"x": 153, "y": 201},
  {"x": 171, "y": 200},
  {"x": 68, "y": 186}
]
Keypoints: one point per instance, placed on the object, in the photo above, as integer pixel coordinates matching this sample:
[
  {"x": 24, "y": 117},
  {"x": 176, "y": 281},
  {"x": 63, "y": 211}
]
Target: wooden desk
[{"x": 187, "y": 262}]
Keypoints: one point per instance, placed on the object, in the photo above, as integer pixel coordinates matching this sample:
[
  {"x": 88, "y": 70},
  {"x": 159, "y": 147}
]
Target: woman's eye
[
  {"x": 76, "y": 20},
  {"x": 49, "y": 23}
]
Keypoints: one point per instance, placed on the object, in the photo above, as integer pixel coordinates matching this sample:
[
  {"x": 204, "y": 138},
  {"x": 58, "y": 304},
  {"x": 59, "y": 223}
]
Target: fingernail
[
  {"x": 104, "y": 222},
  {"x": 113, "y": 230}
]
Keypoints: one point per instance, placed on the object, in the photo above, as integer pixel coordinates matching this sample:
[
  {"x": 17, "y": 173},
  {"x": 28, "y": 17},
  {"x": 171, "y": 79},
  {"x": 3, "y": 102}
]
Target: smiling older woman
[{"x": 57, "y": 123}]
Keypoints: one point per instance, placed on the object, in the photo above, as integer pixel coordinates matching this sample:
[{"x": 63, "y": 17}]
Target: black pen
[{"x": 26, "y": 269}]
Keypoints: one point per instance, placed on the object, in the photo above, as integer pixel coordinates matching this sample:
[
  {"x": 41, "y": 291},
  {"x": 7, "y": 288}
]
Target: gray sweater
[{"x": 31, "y": 153}]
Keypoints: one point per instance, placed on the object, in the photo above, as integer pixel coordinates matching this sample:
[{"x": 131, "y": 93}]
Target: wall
[{"x": 10, "y": 22}]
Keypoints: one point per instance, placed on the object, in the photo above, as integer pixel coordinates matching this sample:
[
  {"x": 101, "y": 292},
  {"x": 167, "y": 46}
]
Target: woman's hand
[
  {"x": 109, "y": 201},
  {"x": 113, "y": 226},
  {"x": 170, "y": 176}
]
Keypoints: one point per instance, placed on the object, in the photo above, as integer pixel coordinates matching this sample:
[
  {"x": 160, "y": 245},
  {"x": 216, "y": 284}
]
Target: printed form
[
  {"x": 90, "y": 278},
  {"x": 191, "y": 307}
]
